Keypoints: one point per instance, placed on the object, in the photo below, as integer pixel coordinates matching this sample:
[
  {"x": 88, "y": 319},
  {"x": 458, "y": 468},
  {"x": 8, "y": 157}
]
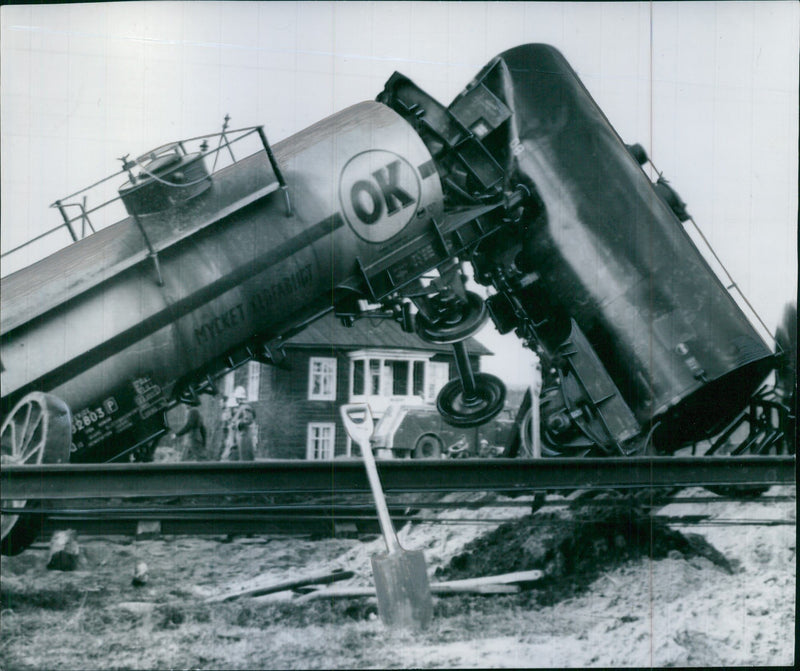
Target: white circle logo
[{"x": 379, "y": 192}]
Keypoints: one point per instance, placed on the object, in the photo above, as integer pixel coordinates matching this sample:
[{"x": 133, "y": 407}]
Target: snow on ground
[{"x": 679, "y": 610}]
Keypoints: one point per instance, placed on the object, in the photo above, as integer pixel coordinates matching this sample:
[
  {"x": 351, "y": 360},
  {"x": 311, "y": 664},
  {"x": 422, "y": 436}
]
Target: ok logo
[
  {"x": 368, "y": 199},
  {"x": 379, "y": 191}
]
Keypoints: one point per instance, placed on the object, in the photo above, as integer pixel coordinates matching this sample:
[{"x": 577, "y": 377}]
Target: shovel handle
[
  {"x": 389, "y": 535},
  {"x": 357, "y": 431}
]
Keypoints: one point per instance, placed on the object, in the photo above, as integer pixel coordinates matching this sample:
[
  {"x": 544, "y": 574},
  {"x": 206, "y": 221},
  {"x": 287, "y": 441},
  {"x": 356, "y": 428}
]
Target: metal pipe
[
  {"x": 38, "y": 237},
  {"x": 276, "y": 169},
  {"x": 67, "y": 221}
]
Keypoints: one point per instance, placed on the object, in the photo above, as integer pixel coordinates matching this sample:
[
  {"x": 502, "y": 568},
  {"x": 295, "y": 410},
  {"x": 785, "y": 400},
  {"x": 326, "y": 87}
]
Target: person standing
[
  {"x": 218, "y": 434},
  {"x": 245, "y": 426},
  {"x": 193, "y": 433},
  {"x": 486, "y": 451},
  {"x": 241, "y": 439}
]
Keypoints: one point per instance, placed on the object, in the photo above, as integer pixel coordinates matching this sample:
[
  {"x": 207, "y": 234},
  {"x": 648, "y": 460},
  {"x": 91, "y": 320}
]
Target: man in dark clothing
[
  {"x": 244, "y": 424},
  {"x": 194, "y": 444}
]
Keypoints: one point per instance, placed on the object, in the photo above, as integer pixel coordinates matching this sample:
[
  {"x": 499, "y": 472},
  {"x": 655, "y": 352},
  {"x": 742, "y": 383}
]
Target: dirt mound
[{"x": 574, "y": 547}]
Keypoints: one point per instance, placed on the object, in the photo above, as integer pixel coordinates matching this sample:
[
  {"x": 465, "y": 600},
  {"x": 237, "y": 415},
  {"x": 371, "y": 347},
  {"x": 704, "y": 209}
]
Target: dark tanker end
[
  {"x": 612, "y": 255},
  {"x": 635, "y": 329}
]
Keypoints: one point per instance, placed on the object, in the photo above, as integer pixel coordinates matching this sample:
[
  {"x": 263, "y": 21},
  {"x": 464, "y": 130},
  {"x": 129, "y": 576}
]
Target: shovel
[{"x": 401, "y": 577}]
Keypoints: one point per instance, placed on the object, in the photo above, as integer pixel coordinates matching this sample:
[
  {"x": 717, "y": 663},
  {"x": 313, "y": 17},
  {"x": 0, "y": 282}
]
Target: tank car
[
  {"x": 643, "y": 348},
  {"x": 208, "y": 270}
]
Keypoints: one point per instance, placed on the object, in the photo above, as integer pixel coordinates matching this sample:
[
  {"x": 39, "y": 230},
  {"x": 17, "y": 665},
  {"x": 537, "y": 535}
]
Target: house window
[
  {"x": 322, "y": 379},
  {"x": 399, "y": 377},
  {"x": 253, "y": 380},
  {"x": 377, "y": 376},
  {"x": 320, "y": 441},
  {"x": 438, "y": 376},
  {"x": 374, "y": 377},
  {"x": 358, "y": 378},
  {"x": 418, "y": 381}
]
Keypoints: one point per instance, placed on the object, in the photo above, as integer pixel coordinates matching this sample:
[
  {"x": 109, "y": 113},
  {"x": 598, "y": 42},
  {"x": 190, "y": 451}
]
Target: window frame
[
  {"x": 384, "y": 357},
  {"x": 433, "y": 381},
  {"x": 324, "y": 396},
  {"x": 311, "y": 439}
]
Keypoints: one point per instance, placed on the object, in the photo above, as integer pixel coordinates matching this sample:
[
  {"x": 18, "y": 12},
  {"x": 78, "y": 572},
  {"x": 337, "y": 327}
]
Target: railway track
[
  {"x": 280, "y": 497},
  {"x": 357, "y": 516}
]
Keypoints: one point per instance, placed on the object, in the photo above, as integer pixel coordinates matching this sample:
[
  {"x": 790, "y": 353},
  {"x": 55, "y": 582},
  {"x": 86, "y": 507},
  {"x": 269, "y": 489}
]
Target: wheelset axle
[{"x": 472, "y": 398}]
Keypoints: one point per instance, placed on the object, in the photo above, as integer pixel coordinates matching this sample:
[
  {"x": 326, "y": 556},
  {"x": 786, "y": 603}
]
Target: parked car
[{"x": 418, "y": 432}]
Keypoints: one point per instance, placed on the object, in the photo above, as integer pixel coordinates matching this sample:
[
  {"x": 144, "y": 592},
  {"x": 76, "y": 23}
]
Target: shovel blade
[{"x": 403, "y": 590}]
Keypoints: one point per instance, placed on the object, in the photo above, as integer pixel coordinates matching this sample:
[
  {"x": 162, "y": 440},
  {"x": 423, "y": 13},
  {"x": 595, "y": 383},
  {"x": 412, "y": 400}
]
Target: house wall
[
  {"x": 289, "y": 391},
  {"x": 283, "y": 409}
]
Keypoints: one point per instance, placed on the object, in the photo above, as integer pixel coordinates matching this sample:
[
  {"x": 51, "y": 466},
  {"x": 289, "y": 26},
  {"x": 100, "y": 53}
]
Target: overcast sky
[{"x": 710, "y": 89}]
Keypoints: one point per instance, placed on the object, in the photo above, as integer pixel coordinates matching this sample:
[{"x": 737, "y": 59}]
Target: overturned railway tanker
[{"x": 375, "y": 211}]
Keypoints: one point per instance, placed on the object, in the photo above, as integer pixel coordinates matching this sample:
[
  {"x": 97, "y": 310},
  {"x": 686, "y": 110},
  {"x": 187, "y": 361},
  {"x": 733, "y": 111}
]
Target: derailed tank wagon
[
  {"x": 139, "y": 314},
  {"x": 372, "y": 212},
  {"x": 642, "y": 345}
]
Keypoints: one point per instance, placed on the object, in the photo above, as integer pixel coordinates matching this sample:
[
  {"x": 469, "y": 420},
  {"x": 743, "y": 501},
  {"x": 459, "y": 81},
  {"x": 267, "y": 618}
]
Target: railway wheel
[
  {"x": 738, "y": 491},
  {"x": 428, "y": 447},
  {"x": 763, "y": 438},
  {"x": 38, "y": 430},
  {"x": 461, "y": 324},
  {"x": 462, "y": 410}
]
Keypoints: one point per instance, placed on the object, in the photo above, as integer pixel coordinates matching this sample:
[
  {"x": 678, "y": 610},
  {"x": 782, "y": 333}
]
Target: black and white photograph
[{"x": 398, "y": 334}]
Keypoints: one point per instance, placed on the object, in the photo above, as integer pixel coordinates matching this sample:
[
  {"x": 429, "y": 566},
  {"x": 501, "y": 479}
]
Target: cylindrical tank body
[
  {"x": 610, "y": 253},
  {"x": 357, "y": 192}
]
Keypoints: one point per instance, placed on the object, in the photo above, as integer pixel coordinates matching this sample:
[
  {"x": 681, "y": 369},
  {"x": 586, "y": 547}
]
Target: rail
[
  {"x": 356, "y": 515},
  {"x": 82, "y": 481}
]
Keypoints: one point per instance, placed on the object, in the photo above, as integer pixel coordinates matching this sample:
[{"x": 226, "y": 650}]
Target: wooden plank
[
  {"x": 316, "y": 579},
  {"x": 441, "y": 589},
  {"x": 504, "y": 579}
]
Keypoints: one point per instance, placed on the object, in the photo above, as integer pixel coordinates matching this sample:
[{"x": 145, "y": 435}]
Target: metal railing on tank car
[{"x": 78, "y": 224}]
